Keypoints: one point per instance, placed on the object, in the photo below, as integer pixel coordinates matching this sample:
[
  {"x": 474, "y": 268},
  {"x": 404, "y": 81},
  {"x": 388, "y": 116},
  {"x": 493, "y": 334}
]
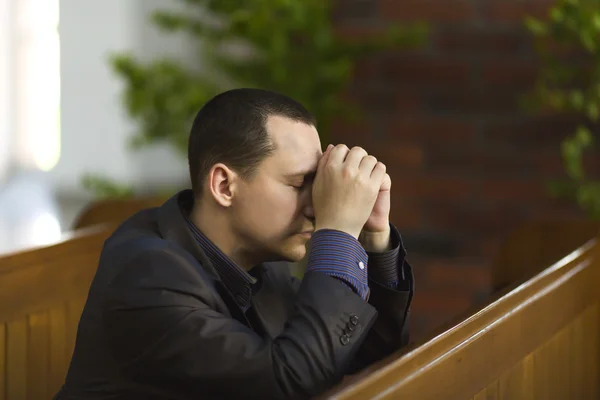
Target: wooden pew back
[
  {"x": 42, "y": 294},
  {"x": 539, "y": 340},
  {"x": 114, "y": 210},
  {"x": 540, "y": 337},
  {"x": 535, "y": 245}
]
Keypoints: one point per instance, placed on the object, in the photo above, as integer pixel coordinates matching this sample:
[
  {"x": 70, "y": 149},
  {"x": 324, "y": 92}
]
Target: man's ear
[{"x": 222, "y": 184}]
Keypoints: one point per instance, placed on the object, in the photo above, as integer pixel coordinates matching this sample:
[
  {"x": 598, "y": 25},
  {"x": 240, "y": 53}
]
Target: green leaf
[
  {"x": 536, "y": 26},
  {"x": 294, "y": 48},
  {"x": 103, "y": 187}
]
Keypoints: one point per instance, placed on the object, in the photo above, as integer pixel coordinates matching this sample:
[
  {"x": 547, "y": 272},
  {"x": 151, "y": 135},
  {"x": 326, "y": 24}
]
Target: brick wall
[{"x": 467, "y": 164}]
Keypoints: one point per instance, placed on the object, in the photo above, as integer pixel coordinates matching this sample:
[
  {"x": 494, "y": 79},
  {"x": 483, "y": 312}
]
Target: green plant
[
  {"x": 568, "y": 42},
  {"x": 288, "y": 46}
]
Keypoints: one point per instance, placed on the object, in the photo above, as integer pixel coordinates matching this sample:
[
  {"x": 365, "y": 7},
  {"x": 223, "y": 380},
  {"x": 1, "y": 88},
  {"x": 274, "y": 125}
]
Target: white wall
[
  {"x": 95, "y": 128},
  {"x": 5, "y": 109}
]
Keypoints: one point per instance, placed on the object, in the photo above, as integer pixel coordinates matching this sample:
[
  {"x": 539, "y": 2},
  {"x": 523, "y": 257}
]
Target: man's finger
[
  {"x": 338, "y": 154},
  {"x": 386, "y": 185},
  {"x": 355, "y": 156},
  {"x": 323, "y": 160},
  {"x": 367, "y": 164},
  {"x": 379, "y": 172}
]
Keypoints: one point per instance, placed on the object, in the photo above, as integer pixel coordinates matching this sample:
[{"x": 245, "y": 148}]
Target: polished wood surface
[
  {"x": 538, "y": 341},
  {"x": 42, "y": 293}
]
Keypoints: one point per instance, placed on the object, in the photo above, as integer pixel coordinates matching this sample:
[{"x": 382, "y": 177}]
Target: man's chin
[{"x": 295, "y": 254}]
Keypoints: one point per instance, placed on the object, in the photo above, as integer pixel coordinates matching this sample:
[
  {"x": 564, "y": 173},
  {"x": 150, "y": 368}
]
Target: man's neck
[{"x": 215, "y": 226}]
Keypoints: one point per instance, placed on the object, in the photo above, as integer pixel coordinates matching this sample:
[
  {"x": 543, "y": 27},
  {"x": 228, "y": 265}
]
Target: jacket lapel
[
  {"x": 173, "y": 227},
  {"x": 269, "y": 301}
]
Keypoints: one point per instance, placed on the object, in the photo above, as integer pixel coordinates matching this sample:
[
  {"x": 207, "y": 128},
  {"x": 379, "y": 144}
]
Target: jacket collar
[{"x": 173, "y": 227}]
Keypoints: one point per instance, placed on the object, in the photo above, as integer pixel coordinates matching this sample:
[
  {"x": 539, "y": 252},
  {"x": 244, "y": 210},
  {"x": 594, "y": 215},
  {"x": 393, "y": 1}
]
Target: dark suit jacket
[{"x": 159, "y": 324}]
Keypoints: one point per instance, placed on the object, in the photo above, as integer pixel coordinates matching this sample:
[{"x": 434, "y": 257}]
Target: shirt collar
[{"x": 237, "y": 280}]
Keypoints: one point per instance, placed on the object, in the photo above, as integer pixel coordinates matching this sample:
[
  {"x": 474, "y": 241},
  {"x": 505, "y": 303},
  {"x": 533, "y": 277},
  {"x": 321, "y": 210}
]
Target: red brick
[
  {"x": 408, "y": 101},
  {"x": 485, "y": 163},
  {"x": 551, "y": 165},
  {"x": 482, "y": 221},
  {"x": 513, "y": 190},
  {"x": 354, "y": 10},
  {"x": 474, "y": 101},
  {"x": 557, "y": 209},
  {"x": 357, "y": 32},
  {"x": 366, "y": 70},
  {"x": 398, "y": 156},
  {"x": 384, "y": 99},
  {"x": 480, "y": 41},
  {"x": 351, "y": 133},
  {"x": 426, "y": 71},
  {"x": 405, "y": 214},
  {"x": 509, "y": 74},
  {"x": 514, "y": 11},
  {"x": 422, "y": 186},
  {"x": 431, "y": 129},
  {"x": 531, "y": 134},
  {"x": 431, "y": 11},
  {"x": 563, "y": 51}
]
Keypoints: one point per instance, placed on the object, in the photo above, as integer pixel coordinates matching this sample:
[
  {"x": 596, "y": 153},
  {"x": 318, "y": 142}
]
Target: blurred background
[{"x": 483, "y": 111}]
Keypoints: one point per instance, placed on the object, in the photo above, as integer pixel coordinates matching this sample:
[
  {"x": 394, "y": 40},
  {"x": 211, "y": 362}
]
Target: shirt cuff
[
  {"x": 387, "y": 268},
  {"x": 340, "y": 256}
]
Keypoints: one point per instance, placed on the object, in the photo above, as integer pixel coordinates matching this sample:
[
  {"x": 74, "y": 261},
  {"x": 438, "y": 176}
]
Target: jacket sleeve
[
  {"x": 392, "y": 301},
  {"x": 390, "y": 331},
  {"x": 165, "y": 332}
]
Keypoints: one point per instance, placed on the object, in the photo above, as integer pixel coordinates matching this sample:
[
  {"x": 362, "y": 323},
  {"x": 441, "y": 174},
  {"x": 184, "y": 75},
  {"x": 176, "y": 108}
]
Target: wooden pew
[
  {"x": 540, "y": 340},
  {"x": 114, "y": 210},
  {"x": 536, "y": 244},
  {"x": 539, "y": 337},
  {"x": 42, "y": 293}
]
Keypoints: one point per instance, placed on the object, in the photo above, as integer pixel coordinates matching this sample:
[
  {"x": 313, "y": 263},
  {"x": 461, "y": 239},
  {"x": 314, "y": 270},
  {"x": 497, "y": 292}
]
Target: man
[{"x": 194, "y": 300}]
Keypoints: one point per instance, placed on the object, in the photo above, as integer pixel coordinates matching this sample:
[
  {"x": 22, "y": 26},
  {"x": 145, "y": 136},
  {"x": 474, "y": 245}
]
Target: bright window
[{"x": 33, "y": 73}]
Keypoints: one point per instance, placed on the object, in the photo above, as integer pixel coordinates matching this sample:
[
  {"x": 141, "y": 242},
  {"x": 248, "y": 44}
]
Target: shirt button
[
  {"x": 361, "y": 265},
  {"x": 354, "y": 320}
]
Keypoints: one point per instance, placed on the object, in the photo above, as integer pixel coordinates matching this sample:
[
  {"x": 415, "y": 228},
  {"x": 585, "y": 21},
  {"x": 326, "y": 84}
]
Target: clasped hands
[{"x": 351, "y": 193}]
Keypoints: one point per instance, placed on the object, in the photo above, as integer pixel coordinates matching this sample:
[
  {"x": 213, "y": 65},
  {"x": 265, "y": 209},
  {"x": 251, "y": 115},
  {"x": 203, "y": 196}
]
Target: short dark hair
[{"x": 231, "y": 128}]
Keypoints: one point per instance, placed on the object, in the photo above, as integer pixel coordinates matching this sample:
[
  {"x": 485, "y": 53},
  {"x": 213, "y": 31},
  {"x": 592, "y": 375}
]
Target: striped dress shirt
[{"x": 334, "y": 253}]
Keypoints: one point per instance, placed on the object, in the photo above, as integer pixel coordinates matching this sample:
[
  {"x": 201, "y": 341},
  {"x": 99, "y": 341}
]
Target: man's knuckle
[{"x": 348, "y": 171}]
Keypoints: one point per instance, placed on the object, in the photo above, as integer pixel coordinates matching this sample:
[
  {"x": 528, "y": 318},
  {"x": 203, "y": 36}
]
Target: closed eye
[{"x": 308, "y": 178}]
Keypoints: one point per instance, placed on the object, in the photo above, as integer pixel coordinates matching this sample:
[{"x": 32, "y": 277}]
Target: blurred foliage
[
  {"x": 288, "y": 46},
  {"x": 106, "y": 188},
  {"x": 568, "y": 42}
]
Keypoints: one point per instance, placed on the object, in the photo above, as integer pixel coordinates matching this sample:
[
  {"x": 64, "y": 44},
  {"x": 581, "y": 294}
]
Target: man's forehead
[{"x": 297, "y": 144}]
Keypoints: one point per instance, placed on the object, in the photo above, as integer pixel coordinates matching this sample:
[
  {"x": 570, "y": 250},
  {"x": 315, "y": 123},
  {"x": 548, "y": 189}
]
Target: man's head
[{"x": 252, "y": 154}]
